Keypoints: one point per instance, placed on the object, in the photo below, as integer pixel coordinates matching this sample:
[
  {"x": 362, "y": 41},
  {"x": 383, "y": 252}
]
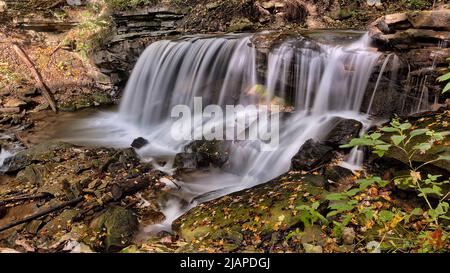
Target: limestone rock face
[
  {"x": 412, "y": 29},
  {"x": 420, "y": 40},
  {"x": 134, "y": 31}
]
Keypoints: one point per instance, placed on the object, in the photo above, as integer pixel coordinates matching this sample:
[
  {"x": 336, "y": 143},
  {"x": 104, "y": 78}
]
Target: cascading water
[{"x": 321, "y": 82}]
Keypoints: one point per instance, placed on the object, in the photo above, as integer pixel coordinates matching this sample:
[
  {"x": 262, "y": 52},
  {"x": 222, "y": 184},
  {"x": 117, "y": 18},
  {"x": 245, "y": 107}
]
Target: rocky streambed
[{"x": 61, "y": 197}]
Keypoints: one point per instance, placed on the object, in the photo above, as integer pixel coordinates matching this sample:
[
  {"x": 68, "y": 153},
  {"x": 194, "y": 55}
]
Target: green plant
[
  {"x": 445, "y": 78},
  {"x": 401, "y": 137},
  {"x": 309, "y": 214},
  {"x": 416, "y": 4}
]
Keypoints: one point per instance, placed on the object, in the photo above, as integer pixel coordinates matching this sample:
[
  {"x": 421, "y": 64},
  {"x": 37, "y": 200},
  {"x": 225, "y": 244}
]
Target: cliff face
[{"x": 108, "y": 36}]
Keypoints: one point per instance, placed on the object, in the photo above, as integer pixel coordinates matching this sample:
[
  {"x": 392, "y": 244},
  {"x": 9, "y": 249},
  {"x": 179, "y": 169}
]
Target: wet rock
[
  {"x": 40, "y": 153},
  {"x": 151, "y": 217},
  {"x": 202, "y": 154},
  {"x": 32, "y": 174},
  {"x": 339, "y": 179},
  {"x": 139, "y": 143},
  {"x": 311, "y": 155},
  {"x": 120, "y": 225},
  {"x": 101, "y": 98},
  {"x": 436, "y": 19},
  {"x": 343, "y": 132},
  {"x": 135, "y": 29},
  {"x": 263, "y": 210},
  {"x": 411, "y": 29},
  {"x": 58, "y": 224}
]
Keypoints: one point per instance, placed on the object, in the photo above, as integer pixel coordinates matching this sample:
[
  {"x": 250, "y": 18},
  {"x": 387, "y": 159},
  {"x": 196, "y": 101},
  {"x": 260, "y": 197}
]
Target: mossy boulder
[
  {"x": 250, "y": 217},
  {"x": 118, "y": 225},
  {"x": 203, "y": 153}
]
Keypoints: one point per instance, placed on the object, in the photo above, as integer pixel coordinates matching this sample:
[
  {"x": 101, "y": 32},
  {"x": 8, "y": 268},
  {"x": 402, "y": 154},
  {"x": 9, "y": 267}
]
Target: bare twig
[
  {"x": 24, "y": 197},
  {"x": 37, "y": 76},
  {"x": 42, "y": 213}
]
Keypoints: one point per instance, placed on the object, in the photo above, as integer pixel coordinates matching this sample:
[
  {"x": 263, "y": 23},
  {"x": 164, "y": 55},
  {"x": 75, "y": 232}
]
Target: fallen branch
[
  {"x": 24, "y": 197},
  {"x": 42, "y": 213},
  {"x": 37, "y": 76}
]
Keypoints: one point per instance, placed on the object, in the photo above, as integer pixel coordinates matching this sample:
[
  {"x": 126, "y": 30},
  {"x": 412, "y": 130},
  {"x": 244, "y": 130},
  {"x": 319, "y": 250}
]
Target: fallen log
[
  {"x": 24, "y": 198},
  {"x": 37, "y": 76},
  {"x": 42, "y": 213}
]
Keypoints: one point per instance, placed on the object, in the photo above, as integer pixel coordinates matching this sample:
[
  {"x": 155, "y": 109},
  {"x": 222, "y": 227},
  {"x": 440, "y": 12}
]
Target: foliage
[
  {"x": 416, "y": 4},
  {"x": 445, "y": 78},
  {"x": 93, "y": 29},
  {"x": 430, "y": 188}
]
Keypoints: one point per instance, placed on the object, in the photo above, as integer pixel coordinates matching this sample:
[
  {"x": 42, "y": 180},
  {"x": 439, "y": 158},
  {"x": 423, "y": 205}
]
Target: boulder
[
  {"x": 412, "y": 29},
  {"x": 434, "y": 19},
  {"x": 139, "y": 143},
  {"x": 339, "y": 179},
  {"x": 343, "y": 132},
  {"x": 311, "y": 155},
  {"x": 120, "y": 225},
  {"x": 40, "y": 153},
  {"x": 202, "y": 153},
  {"x": 265, "y": 209}
]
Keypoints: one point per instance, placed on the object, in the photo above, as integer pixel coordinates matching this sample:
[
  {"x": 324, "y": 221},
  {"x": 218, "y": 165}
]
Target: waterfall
[{"x": 316, "y": 83}]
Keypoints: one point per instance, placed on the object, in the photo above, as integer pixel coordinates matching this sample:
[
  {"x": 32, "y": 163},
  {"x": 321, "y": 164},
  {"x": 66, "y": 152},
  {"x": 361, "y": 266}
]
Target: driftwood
[
  {"x": 42, "y": 213},
  {"x": 116, "y": 192},
  {"x": 24, "y": 197},
  {"x": 37, "y": 76},
  {"x": 128, "y": 187}
]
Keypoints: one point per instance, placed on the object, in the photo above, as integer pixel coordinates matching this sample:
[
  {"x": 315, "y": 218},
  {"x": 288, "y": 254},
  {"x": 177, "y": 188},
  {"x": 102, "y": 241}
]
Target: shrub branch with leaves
[{"x": 429, "y": 187}]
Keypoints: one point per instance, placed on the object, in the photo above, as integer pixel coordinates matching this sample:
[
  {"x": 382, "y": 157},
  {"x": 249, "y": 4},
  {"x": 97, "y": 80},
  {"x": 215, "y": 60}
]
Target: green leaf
[
  {"x": 358, "y": 142},
  {"x": 444, "y": 157},
  {"x": 375, "y": 136},
  {"x": 341, "y": 207},
  {"x": 417, "y": 212},
  {"x": 386, "y": 215},
  {"x": 335, "y": 197},
  {"x": 397, "y": 139},
  {"x": 383, "y": 147},
  {"x": 382, "y": 183},
  {"x": 404, "y": 126},
  {"x": 352, "y": 192},
  {"x": 364, "y": 183},
  {"x": 390, "y": 130},
  {"x": 444, "y": 77},
  {"x": 423, "y": 147},
  {"x": 427, "y": 191},
  {"x": 368, "y": 213},
  {"x": 380, "y": 153},
  {"x": 418, "y": 132},
  {"x": 446, "y": 88}
]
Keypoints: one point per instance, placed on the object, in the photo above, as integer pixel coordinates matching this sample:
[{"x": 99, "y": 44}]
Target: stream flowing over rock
[
  {"x": 325, "y": 93},
  {"x": 233, "y": 138}
]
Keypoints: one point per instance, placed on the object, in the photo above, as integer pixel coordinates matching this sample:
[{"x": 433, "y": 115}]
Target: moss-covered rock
[
  {"x": 250, "y": 217},
  {"x": 119, "y": 226}
]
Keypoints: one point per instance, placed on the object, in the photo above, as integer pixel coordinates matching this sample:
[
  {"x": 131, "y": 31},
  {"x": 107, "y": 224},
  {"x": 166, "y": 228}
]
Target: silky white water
[
  {"x": 321, "y": 82},
  {"x": 316, "y": 82}
]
